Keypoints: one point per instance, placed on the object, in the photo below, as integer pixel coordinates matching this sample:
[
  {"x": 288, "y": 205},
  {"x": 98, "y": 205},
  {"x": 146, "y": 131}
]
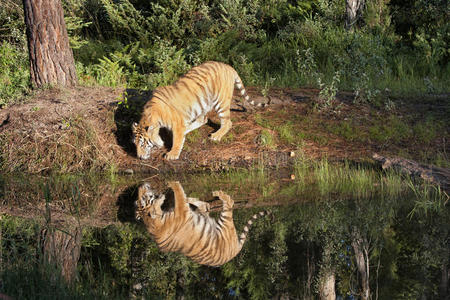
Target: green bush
[
  {"x": 15, "y": 74},
  {"x": 144, "y": 44}
]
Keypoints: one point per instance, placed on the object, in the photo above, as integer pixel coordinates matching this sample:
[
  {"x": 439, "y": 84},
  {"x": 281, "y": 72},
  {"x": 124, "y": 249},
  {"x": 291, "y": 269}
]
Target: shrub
[{"x": 15, "y": 74}]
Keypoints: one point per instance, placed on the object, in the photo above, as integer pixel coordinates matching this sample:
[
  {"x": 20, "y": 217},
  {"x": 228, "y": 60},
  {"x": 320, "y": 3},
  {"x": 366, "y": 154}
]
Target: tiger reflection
[{"x": 187, "y": 228}]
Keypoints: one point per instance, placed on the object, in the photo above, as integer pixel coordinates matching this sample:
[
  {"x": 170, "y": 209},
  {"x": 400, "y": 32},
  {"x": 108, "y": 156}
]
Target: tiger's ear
[{"x": 134, "y": 126}]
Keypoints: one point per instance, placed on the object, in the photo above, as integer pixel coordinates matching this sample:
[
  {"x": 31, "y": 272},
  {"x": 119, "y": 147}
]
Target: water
[{"x": 320, "y": 235}]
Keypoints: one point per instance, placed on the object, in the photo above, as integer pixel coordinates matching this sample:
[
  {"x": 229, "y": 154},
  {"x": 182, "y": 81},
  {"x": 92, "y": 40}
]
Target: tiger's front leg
[
  {"x": 177, "y": 144},
  {"x": 225, "y": 125}
]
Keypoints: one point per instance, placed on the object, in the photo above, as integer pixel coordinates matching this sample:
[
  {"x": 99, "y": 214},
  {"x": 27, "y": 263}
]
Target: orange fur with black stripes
[
  {"x": 191, "y": 231},
  {"x": 182, "y": 107}
]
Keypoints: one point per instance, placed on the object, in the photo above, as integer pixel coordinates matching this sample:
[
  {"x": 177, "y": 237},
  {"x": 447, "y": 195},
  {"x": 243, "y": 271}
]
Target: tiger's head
[
  {"x": 149, "y": 202},
  {"x": 145, "y": 141}
]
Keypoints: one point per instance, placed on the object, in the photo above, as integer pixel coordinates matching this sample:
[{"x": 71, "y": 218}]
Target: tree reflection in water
[{"x": 381, "y": 246}]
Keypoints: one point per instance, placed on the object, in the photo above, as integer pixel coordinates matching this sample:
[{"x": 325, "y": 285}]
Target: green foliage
[
  {"x": 271, "y": 43},
  {"x": 392, "y": 130},
  {"x": 290, "y": 43},
  {"x": 15, "y": 75},
  {"x": 12, "y": 26}
]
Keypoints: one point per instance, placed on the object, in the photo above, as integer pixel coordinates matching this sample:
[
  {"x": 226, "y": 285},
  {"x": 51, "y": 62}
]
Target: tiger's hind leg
[{"x": 225, "y": 123}]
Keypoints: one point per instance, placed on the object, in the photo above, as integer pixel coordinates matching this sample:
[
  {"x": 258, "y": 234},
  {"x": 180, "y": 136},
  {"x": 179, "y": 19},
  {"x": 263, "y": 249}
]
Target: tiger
[
  {"x": 187, "y": 228},
  {"x": 182, "y": 107}
]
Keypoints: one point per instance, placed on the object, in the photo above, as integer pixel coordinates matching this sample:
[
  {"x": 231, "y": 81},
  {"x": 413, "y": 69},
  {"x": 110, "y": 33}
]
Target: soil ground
[{"x": 71, "y": 130}]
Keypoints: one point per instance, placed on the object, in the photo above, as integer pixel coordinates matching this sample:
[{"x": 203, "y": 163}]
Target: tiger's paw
[
  {"x": 215, "y": 137},
  {"x": 171, "y": 155},
  {"x": 217, "y": 194},
  {"x": 226, "y": 199}
]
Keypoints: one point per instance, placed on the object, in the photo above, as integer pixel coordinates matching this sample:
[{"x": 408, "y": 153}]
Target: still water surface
[{"x": 244, "y": 235}]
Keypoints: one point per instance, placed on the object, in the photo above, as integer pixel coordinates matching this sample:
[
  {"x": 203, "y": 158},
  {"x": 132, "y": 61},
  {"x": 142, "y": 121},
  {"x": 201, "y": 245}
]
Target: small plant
[
  {"x": 261, "y": 120},
  {"x": 193, "y": 137},
  {"x": 124, "y": 100},
  {"x": 362, "y": 91},
  {"x": 109, "y": 72},
  {"x": 328, "y": 93},
  {"x": 429, "y": 85},
  {"x": 307, "y": 66},
  {"x": 246, "y": 70},
  {"x": 389, "y": 105},
  {"x": 267, "y": 84},
  {"x": 266, "y": 139}
]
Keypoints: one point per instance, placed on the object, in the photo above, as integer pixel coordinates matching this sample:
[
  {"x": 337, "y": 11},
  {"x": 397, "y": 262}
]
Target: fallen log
[{"x": 435, "y": 175}]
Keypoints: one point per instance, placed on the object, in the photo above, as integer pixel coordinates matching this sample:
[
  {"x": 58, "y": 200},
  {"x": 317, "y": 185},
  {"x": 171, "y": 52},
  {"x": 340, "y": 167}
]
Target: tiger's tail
[
  {"x": 238, "y": 85},
  {"x": 243, "y": 235}
]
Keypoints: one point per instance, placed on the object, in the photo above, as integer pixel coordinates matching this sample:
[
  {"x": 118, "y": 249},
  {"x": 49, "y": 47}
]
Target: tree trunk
[
  {"x": 310, "y": 263},
  {"x": 443, "y": 286},
  {"x": 327, "y": 279},
  {"x": 361, "y": 248},
  {"x": 354, "y": 10},
  {"x": 326, "y": 288},
  {"x": 430, "y": 173},
  {"x": 51, "y": 57},
  {"x": 63, "y": 249}
]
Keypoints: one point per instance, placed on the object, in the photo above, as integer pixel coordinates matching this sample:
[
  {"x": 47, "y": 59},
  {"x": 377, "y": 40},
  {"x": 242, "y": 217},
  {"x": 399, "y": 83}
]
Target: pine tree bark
[{"x": 51, "y": 58}]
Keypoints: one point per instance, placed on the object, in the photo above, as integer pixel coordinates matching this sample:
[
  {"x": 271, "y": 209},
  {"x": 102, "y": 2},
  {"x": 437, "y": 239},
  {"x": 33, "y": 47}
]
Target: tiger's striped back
[{"x": 192, "y": 232}]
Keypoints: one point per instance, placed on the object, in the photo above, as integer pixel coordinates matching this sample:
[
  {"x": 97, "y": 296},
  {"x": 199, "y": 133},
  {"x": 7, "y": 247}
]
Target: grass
[
  {"x": 313, "y": 180},
  {"x": 193, "y": 137},
  {"x": 429, "y": 199},
  {"x": 346, "y": 180},
  {"x": 74, "y": 148}
]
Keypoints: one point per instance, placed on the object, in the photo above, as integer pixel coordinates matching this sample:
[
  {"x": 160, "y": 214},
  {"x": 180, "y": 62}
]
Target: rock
[
  {"x": 128, "y": 171},
  {"x": 4, "y": 119}
]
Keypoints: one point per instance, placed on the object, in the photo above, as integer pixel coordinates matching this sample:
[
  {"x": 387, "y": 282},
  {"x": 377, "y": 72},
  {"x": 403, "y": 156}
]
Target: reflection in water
[
  {"x": 323, "y": 240},
  {"x": 183, "y": 225}
]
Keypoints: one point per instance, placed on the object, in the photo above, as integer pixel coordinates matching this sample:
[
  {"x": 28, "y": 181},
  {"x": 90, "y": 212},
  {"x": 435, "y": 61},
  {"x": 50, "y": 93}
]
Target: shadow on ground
[{"x": 127, "y": 112}]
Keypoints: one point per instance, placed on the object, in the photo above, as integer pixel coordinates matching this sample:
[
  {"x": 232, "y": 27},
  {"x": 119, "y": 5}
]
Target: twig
[{"x": 147, "y": 165}]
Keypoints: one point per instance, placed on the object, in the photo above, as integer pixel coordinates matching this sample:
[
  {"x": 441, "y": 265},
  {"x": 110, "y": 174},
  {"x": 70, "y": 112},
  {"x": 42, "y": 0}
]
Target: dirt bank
[{"x": 69, "y": 130}]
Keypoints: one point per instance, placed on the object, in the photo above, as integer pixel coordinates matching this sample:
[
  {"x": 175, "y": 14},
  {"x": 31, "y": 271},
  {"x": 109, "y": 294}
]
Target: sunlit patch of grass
[
  {"x": 263, "y": 121},
  {"x": 427, "y": 130},
  {"x": 287, "y": 133},
  {"x": 345, "y": 130},
  {"x": 76, "y": 148},
  {"x": 228, "y": 138},
  {"x": 193, "y": 137},
  {"x": 392, "y": 129}
]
